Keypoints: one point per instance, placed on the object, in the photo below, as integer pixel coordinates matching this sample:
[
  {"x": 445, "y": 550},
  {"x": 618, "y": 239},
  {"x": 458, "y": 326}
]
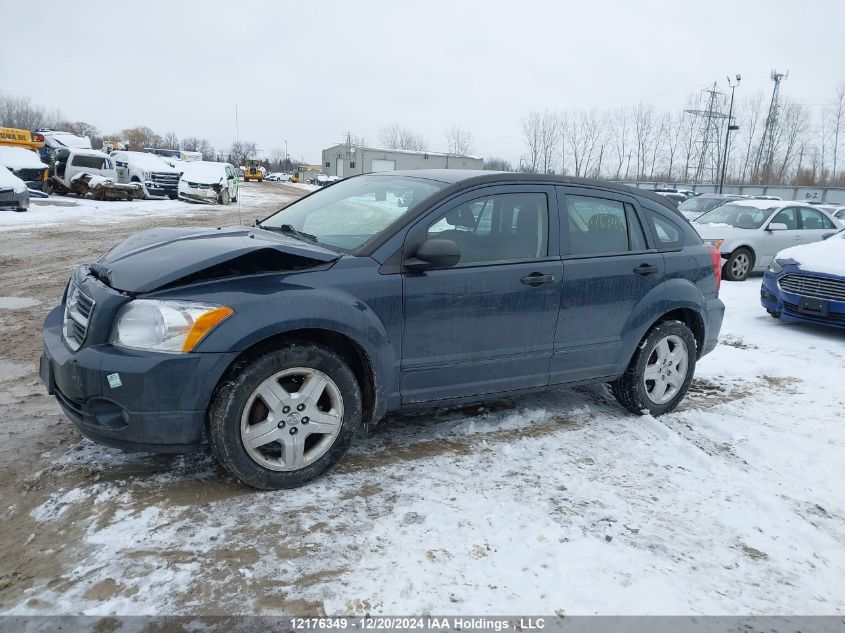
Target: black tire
[
  {"x": 223, "y": 198},
  {"x": 774, "y": 314},
  {"x": 631, "y": 390},
  {"x": 21, "y": 210},
  {"x": 739, "y": 265},
  {"x": 224, "y": 415}
]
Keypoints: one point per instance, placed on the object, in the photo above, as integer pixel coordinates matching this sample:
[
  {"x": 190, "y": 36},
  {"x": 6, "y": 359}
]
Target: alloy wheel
[
  {"x": 292, "y": 419},
  {"x": 666, "y": 369}
]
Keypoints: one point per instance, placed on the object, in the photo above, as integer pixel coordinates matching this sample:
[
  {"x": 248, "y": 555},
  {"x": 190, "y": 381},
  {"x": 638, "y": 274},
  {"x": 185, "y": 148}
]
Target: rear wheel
[
  {"x": 660, "y": 371},
  {"x": 739, "y": 265},
  {"x": 285, "y": 417}
]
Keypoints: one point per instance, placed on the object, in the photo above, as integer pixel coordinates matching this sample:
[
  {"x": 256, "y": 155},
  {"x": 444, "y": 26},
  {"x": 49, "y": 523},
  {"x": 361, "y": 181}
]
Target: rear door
[
  {"x": 609, "y": 268},
  {"x": 487, "y": 324},
  {"x": 814, "y": 225}
]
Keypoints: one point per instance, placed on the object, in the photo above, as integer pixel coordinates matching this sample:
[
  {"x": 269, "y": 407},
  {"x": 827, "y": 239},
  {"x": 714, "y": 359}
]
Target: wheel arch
[{"x": 348, "y": 349}]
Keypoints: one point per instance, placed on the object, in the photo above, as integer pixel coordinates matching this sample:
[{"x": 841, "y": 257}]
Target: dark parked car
[{"x": 383, "y": 292}]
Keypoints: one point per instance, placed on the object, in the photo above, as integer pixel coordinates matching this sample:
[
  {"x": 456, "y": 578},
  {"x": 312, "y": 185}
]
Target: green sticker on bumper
[{"x": 114, "y": 380}]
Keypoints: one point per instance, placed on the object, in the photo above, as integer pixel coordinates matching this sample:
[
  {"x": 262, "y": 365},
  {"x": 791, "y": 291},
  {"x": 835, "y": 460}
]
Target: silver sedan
[{"x": 748, "y": 233}]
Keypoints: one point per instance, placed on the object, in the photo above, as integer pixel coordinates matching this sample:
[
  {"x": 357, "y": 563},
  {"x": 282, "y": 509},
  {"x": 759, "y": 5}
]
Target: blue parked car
[
  {"x": 807, "y": 283},
  {"x": 379, "y": 293}
]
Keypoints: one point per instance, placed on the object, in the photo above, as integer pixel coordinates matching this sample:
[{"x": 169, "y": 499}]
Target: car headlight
[
  {"x": 717, "y": 244},
  {"x": 166, "y": 326},
  {"x": 774, "y": 267}
]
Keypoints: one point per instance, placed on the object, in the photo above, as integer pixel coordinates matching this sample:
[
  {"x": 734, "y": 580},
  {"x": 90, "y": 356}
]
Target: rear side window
[
  {"x": 669, "y": 234},
  {"x": 813, "y": 219},
  {"x": 602, "y": 226}
]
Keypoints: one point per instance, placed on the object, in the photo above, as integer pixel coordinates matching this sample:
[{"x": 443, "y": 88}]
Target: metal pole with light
[{"x": 730, "y": 129}]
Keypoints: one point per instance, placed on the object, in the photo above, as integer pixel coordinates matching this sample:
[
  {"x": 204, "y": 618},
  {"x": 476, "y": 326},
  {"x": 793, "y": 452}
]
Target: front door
[
  {"x": 776, "y": 241},
  {"x": 487, "y": 324},
  {"x": 608, "y": 269}
]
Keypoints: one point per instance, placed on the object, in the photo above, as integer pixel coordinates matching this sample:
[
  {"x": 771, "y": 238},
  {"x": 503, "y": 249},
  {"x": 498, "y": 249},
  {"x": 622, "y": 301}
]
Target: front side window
[
  {"x": 501, "y": 227},
  {"x": 602, "y": 226},
  {"x": 787, "y": 217},
  {"x": 813, "y": 219},
  {"x": 354, "y": 210}
]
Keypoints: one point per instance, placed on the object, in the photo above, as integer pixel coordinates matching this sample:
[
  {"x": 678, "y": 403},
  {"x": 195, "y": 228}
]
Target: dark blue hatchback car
[{"x": 380, "y": 293}]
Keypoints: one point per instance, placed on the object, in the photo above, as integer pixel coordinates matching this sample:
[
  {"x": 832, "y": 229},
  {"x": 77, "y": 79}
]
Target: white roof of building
[{"x": 385, "y": 150}]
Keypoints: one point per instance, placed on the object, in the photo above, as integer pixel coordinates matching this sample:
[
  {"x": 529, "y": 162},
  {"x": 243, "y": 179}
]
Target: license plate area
[{"x": 815, "y": 307}]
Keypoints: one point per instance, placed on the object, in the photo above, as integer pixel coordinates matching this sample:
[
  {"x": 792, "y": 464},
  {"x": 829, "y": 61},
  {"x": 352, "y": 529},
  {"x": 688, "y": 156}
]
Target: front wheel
[
  {"x": 739, "y": 265},
  {"x": 285, "y": 417},
  {"x": 660, "y": 371},
  {"x": 223, "y": 198}
]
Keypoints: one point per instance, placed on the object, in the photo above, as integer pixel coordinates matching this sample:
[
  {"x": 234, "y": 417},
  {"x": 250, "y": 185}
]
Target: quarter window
[
  {"x": 501, "y": 227},
  {"x": 668, "y": 234},
  {"x": 600, "y": 226}
]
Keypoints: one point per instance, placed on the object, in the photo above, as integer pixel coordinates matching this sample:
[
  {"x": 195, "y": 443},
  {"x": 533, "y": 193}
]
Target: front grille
[
  {"x": 816, "y": 287},
  {"x": 164, "y": 179},
  {"x": 78, "y": 310},
  {"x": 198, "y": 185}
]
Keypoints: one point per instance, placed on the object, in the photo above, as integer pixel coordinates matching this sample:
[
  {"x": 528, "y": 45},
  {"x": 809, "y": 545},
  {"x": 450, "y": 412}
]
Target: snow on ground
[
  {"x": 733, "y": 504},
  {"x": 60, "y": 210}
]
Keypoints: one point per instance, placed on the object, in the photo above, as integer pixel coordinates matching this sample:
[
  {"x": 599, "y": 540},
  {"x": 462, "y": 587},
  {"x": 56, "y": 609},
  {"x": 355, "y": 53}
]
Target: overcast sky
[{"x": 309, "y": 72}]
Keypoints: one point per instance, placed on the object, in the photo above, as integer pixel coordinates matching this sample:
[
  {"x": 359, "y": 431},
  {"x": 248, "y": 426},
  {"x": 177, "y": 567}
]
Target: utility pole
[
  {"x": 769, "y": 131},
  {"x": 709, "y": 137},
  {"x": 730, "y": 127}
]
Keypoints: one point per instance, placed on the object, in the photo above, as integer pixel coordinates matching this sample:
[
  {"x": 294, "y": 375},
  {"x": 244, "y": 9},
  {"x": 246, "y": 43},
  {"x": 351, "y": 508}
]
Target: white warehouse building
[{"x": 345, "y": 160}]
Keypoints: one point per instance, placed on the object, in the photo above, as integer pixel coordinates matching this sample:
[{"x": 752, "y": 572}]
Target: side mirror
[
  {"x": 434, "y": 253},
  {"x": 777, "y": 226}
]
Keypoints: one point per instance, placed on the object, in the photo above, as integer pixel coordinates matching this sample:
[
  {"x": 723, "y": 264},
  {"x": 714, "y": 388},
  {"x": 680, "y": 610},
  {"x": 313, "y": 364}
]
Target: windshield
[
  {"x": 737, "y": 215},
  {"x": 700, "y": 205},
  {"x": 350, "y": 212}
]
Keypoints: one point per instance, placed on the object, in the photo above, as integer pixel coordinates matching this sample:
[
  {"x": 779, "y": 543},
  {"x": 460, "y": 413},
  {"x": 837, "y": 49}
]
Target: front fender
[{"x": 261, "y": 317}]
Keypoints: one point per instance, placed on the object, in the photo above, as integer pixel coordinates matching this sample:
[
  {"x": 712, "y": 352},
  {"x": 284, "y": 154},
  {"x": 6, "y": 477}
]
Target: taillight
[
  {"x": 37, "y": 138},
  {"x": 716, "y": 256}
]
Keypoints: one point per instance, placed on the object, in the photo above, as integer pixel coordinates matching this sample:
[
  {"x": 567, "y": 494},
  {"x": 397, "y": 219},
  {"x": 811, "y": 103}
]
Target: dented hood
[{"x": 167, "y": 257}]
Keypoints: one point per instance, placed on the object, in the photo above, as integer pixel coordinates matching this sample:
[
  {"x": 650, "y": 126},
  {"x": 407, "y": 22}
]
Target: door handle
[
  {"x": 536, "y": 279},
  {"x": 645, "y": 269}
]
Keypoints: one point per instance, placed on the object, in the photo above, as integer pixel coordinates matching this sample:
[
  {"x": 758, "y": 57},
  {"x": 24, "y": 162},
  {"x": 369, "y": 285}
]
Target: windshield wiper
[{"x": 287, "y": 229}]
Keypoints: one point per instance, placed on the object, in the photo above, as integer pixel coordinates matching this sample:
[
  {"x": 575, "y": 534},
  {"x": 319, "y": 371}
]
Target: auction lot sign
[{"x": 424, "y": 624}]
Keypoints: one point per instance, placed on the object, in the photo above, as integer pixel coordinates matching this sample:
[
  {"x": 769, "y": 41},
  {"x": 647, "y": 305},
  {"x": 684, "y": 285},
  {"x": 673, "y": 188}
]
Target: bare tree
[
  {"x": 619, "y": 128},
  {"x": 394, "y": 136},
  {"x": 170, "y": 141},
  {"x": 459, "y": 141},
  {"x": 837, "y": 112},
  {"x": 239, "y": 151},
  {"x": 532, "y": 134},
  {"x": 749, "y": 126},
  {"x": 643, "y": 135},
  {"x": 140, "y": 137},
  {"x": 549, "y": 141},
  {"x": 497, "y": 164},
  {"x": 21, "y": 113}
]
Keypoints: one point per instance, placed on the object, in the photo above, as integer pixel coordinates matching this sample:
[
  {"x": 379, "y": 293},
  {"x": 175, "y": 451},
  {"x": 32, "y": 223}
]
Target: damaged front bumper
[{"x": 205, "y": 195}]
